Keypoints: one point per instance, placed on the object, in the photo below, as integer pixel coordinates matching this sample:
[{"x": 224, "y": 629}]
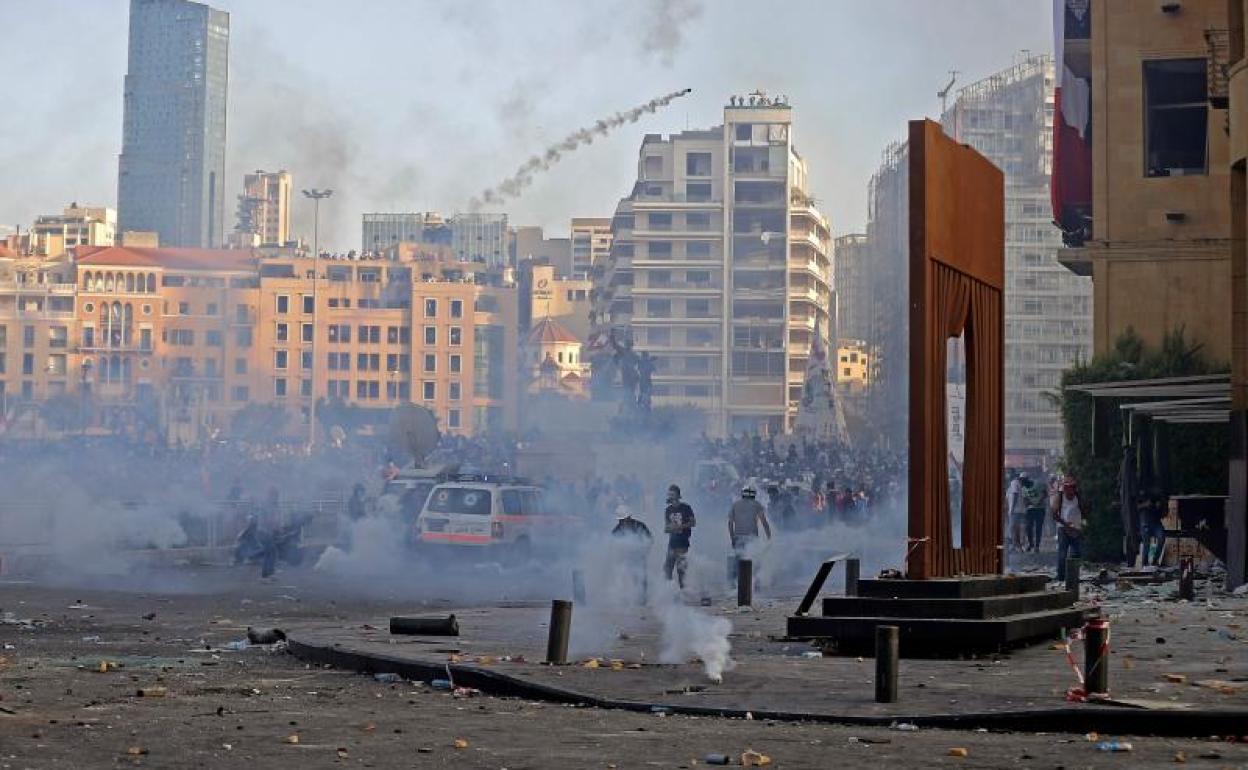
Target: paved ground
[{"x": 224, "y": 708}]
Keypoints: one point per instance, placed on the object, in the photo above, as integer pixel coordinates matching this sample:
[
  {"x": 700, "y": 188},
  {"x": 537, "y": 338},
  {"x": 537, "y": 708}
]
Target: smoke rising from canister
[{"x": 523, "y": 177}]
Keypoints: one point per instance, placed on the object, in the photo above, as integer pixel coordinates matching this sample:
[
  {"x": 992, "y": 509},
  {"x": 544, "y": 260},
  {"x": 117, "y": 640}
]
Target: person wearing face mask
[
  {"x": 1068, "y": 513},
  {"x": 678, "y": 523}
]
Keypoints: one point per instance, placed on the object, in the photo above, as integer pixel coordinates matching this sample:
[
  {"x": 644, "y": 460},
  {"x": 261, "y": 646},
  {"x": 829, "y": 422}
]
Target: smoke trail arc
[{"x": 514, "y": 185}]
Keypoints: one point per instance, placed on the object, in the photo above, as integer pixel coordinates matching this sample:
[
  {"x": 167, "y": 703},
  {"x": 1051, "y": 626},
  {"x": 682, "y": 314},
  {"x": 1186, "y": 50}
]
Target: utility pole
[
  {"x": 317, "y": 196},
  {"x": 944, "y": 92}
]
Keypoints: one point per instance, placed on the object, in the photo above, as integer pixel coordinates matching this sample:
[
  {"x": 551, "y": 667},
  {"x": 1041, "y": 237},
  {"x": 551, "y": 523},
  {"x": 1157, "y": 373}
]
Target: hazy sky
[{"x": 404, "y": 105}]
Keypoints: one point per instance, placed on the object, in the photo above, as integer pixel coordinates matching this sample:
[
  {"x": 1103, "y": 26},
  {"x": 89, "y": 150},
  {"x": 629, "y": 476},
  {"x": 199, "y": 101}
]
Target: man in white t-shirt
[
  {"x": 1068, "y": 513},
  {"x": 1015, "y": 512}
]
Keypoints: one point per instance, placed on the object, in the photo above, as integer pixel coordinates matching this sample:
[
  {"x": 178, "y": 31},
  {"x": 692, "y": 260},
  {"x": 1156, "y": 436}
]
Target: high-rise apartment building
[
  {"x": 171, "y": 176},
  {"x": 591, "y": 243},
  {"x": 888, "y": 291},
  {"x": 264, "y": 207},
  {"x": 719, "y": 269},
  {"x": 1008, "y": 117},
  {"x": 482, "y": 238},
  {"x": 851, "y": 266}
]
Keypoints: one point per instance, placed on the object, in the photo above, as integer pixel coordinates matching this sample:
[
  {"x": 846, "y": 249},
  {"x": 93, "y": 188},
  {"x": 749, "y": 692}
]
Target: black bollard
[
  {"x": 851, "y": 577},
  {"x": 1072, "y": 576},
  {"x": 886, "y": 653},
  {"x": 1096, "y": 657},
  {"x": 560, "y": 629},
  {"x": 578, "y": 586},
  {"x": 745, "y": 582},
  {"x": 1187, "y": 578}
]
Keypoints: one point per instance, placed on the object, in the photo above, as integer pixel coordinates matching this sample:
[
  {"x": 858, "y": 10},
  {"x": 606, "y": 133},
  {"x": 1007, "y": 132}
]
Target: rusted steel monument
[
  {"x": 957, "y": 279},
  {"x": 953, "y": 597}
]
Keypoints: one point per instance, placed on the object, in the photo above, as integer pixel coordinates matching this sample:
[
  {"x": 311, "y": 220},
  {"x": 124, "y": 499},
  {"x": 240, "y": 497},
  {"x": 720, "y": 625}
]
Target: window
[
  {"x": 698, "y": 308},
  {"x": 370, "y": 335},
  {"x": 212, "y": 308},
  {"x": 398, "y": 334},
  {"x": 847, "y": 372},
  {"x": 306, "y": 331},
  {"x": 241, "y": 315},
  {"x": 239, "y": 393},
  {"x": 456, "y": 363},
  {"x": 431, "y": 308},
  {"x": 184, "y": 308},
  {"x": 283, "y": 304},
  {"x": 698, "y": 192},
  {"x": 283, "y": 332},
  {"x": 654, "y": 166},
  {"x": 457, "y": 335},
  {"x": 431, "y": 335},
  {"x": 4, "y": 335},
  {"x": 240, "y": 366},
  {"x": 368, "y": 362},
  {"x": 744, "y": 132},
  {"x": 452, "y": 418},
  {"x": 658, "y": 308},
  {"x": 660, "y": 222},
  {"x": 457, "y": 308},
  {"x": 1176, "y": 117},
  {"x": 305, "y": 360},
  {"x": 242, "y": 338},
  {"x": 339, "y": 333},
  {"x": 309, "y": 303},
  {"x": 431, "y": 362},
  {"x": 279, "y": 387},
  {"x": 28, "y": 363},
  {"x": 454, "y": 392},
  {"x": 429, "y": 390},
  {"x": 656, "y": 336},
  {"x": 659, "y": 249},
  {"x": 212, "y": 338},
  {"x": 305, "y": 387},
  {"x": 28, "y": 336},
  {"x": 697, "y": 221},
  {"x": 369, "y": 389},
  {"x": 698, "y": 164},
  {"x": 280, "y": 359}
]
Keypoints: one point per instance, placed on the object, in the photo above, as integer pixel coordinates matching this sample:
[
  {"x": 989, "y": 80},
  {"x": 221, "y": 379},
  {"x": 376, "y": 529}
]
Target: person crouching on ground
[{"x": 678, "y": 523}]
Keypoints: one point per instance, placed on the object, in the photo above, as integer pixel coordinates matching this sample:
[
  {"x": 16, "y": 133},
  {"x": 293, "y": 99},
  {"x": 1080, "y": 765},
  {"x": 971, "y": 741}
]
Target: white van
[{"x": 505, "y": 516}]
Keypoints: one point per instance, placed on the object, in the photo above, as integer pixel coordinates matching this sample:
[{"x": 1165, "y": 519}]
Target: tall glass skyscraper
[{"x": 172, "y": 168}]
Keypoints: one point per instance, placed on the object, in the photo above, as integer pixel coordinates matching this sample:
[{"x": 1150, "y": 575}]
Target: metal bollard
[
  {"x": 560, "y": 629},
  {"x": 578, "y": 586},
  {"x": 851, "y": 577},
  {"x": 745, "y": 582},
  {"x": 1187, "y": 578},
  {"x": 1096, "y": 657},
  {"x": 1072, "y": 576},
  {"x": 886, "y": 653}
]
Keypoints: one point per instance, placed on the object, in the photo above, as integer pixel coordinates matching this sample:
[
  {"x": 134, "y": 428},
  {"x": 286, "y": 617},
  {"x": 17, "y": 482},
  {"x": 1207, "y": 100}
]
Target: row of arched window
[
  {"x": 127, "y": 283},
  {"x": 114, "y": 369},
  {"x": 116, "y": 324}
]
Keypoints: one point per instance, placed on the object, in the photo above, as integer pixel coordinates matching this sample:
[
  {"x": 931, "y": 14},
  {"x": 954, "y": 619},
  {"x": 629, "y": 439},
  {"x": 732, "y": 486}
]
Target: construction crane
[{"x": 944, "y": 92}]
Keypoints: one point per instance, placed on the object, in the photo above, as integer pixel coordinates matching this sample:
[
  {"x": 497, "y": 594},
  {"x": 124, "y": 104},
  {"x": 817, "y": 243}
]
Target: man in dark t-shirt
[{"x": 678, "y": 523}]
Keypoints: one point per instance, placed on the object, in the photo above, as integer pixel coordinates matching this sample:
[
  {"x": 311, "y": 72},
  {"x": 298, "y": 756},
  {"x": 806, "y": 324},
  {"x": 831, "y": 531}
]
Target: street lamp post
[{"x": 317, "y": 196}]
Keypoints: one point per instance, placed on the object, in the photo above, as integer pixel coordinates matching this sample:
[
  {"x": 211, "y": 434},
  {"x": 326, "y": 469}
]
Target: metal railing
[{"x": 1218, "y": 62}]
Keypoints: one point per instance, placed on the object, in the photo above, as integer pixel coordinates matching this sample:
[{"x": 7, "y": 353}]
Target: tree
[
  {"x": 1199, "y": 453},
  {"x": 63, "y": 413},
  {"x": 260, "y": 422}
]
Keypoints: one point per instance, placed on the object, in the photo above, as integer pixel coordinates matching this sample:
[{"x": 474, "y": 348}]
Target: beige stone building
[
  {"x": 547, "y": 295},
  {"x": 37, "y": 333},
  {"x": 1159, "y": 248},
  {"x": 54, "y": 234},
  {"x": 719, "y": 268},
  {"x": 590, "y": 243}
]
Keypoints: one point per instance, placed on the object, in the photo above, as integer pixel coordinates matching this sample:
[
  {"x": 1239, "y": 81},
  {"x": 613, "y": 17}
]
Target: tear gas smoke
[
  {"x": 664, "y": 33},
  {"x": 514, "y": 185}
]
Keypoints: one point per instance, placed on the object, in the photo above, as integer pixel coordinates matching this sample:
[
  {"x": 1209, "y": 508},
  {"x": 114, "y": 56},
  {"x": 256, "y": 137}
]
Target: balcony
[{"x": 1218, "y": 62}]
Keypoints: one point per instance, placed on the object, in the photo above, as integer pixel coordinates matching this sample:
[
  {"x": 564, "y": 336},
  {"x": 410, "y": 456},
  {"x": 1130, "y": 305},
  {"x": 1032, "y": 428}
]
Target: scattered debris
[
  {"x": 1176, "y": 678},
  {"x": 460, "y": 743},
  {"x": 908, "y": 727},
  {"x": 441, "y": 684},
  {"x": 388, "y": 678},
  {"x": 92, "y": 639},
  {"x": 292, "y": 739},
  {"x": 751, "y": 758},
  {"x": 1180, "y": 758},
  {"x": 152, "y": 616},
  {"x": 716, "y": 759},
  {"x": 958, "y": 751},
  {"x": 342, "y": 752},
  {"x": 136, "y": 751},
  {"x": 1115, "y": 746},
  {"x": 465, "y": 692},
  {"x": 155, "y": 691}
]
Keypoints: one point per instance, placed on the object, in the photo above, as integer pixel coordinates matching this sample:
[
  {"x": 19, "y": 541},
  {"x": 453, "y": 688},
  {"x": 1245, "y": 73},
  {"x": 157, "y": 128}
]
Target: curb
[{"x": 1114, "y": 720}]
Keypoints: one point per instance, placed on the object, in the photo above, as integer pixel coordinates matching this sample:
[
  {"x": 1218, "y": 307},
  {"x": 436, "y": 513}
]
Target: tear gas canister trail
[{"x": 523, "y": 177}]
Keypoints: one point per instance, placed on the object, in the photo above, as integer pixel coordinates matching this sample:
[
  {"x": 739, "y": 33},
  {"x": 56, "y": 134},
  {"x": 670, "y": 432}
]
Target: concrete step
[
  {"x": 982, "y": 608},
  {"x": 937, "y": 637},
  {"x": 969, "y": 587}
]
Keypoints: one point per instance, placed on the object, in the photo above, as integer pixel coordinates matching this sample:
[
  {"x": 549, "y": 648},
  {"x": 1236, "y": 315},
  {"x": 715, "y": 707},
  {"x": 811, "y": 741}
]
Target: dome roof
[{"x": 549, "y": 331}]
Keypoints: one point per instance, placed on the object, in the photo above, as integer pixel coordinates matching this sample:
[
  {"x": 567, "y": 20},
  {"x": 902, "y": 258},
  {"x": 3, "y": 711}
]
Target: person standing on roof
[{"x": 678, "y": 523}]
